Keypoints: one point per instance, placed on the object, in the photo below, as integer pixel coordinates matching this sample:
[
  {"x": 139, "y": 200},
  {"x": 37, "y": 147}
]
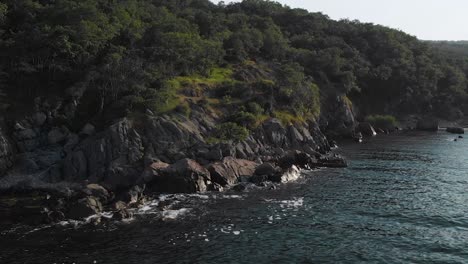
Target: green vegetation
[
  {"x": 167, "y": 56},
  {"x": 385, "y": 122},
  {"x": 229, "y": 131},
  {"x": 287, "y": 118}
]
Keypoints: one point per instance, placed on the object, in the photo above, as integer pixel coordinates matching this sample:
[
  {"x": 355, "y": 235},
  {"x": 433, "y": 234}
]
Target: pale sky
[{"x": 425, "y": 19}]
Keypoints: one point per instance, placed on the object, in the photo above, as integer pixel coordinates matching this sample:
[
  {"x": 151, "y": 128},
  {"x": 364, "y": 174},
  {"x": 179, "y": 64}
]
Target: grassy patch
[
  {"x": 382, "y": 121},
  {"x": 229, "y": 132},
  {"x": 216, "y": 77},
  {"x": 287, "y": 118}
]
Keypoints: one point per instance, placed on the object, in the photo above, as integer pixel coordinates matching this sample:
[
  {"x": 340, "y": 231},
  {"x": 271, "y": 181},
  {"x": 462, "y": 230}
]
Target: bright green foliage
[
  {"x": 385, "y": 122},
  {"x": 230, "y": 131},
  {"x": 165, "y": 55}
]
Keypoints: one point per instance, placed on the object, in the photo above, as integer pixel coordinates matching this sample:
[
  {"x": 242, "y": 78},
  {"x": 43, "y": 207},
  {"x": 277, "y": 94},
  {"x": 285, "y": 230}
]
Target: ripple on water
[{"x": 402, "y": 200}]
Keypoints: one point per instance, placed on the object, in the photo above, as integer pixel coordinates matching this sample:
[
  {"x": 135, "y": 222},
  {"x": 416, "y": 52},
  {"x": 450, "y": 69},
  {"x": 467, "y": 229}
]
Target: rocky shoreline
[{"x": 55, "y": 170}]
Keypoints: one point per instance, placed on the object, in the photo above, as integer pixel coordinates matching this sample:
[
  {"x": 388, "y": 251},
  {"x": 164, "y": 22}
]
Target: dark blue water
[{"x": 404, "y": 199}]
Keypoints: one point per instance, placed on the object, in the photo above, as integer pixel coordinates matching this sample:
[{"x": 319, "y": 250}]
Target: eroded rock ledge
[{"x": 83, "y": 172}]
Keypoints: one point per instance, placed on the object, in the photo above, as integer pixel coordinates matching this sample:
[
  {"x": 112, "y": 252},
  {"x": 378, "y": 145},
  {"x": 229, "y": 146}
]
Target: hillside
[{"x": 105, "y": 92}]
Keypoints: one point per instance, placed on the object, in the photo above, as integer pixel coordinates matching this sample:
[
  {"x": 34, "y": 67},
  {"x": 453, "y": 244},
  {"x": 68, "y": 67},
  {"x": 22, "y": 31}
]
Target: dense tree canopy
[{"x": 137, "y": 54}]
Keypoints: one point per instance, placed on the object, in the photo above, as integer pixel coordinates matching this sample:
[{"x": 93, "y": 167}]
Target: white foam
[
  {"x": 236, "y": 233},
  {"x": 174, "y": 214},
  {"x": 145, "y": 208},
  {"x": 294, "y": 203},
  {"x": 291, "y": 175}
]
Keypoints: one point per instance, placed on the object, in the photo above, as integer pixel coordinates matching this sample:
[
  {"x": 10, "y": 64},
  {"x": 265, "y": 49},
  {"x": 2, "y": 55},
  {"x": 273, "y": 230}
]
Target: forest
[{"x": 246, "y": 61}]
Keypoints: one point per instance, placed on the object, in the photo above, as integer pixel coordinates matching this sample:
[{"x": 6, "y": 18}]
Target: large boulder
[
  {"x": 97, "y": 191},
  {"x": 456, "y": 130},
  {"x": 333, "y": 161},
  {"x": 56, "y": 135},
  {"x": 153, "y": 171},
  {"x": 338, "y": 117},
  {"x": 184, "y": 176},
  {"x": 428, "y": 124},
  {"x": 112, "y": 158},
  {"x": 266, "y": 168},
  {"x": 39, "y": 118},
  {"x": 84, "y": 208},
  {"x": 230, "y": 170},
  {"x": 297, "y": 158}
]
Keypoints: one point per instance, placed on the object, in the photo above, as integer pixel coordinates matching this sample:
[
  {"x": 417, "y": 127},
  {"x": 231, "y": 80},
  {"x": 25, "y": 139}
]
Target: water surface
[{"x": 403, "y": 199}]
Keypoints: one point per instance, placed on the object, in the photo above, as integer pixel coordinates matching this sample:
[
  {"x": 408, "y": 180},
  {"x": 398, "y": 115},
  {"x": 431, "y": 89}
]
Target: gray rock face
[
  {"x": 56, "y": 136},
  {"x": 184, "y": 176},
  {"x": 171, "y": 139},
  {"x": 84, "y": 208},
  {"x": 428, "y": 124},
  {"x": 456, "y": 130},
  {"x": 112, "y": 157},
  {"x": 88, "y": 130},
  {"x": 152, "y": 172},
  {"x": 39, "y": 118},
  {"x": 230, "y": 170},
  {"x": 338, "y": 118},
  {"x": 266, "y": 169},
  {"x": 366, "y": 129},
  {"x": 6, "y": 153}
]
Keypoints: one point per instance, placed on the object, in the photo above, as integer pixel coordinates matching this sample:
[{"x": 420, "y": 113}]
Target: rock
[
  {"x": 456, "y": 130},
  {"x": 88, "y": 130},
  {"x": 56, "y": 136},
  {"x": 26, "y": 166},
  {"x": 337, "y": 118},
  {"x": 380, "y": 131},
  {"x": 298, "y": 158},
  {"x": 24, "y": 208},
  {"x": 357, "y": 137},
  {"x": 39, "y": 118},
  {"x": 121, "y": 215},
  {"x": 275, "y": 132},
  {"x": 366, "y": 129},
  {"x": 113, "y": 158},
  {"x": 335, "y": 161},
  {"x": 133, "y": 196},
  {"x": 153, "y": 171},
  {"x": 428, "y": 124},
  {"x": 84, "y": 208},
  {"x": 239, "y": 187},
  {"x": 266, "y": 169},
  {"x": 185, "y": 176},
  {"x": 72, "y": 141},
  {"x": 230, "y": 170},
  {"x": 97, "y": 191},
  {"x": 258, "y": 179},
  {"x": 26, "y": 134},
  {"x": 6, "y": 153}
]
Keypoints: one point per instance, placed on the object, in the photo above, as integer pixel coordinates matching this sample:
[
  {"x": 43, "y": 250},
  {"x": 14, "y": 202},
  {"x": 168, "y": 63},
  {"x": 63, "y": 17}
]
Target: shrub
[
  {"x": 231, "y": 131},
  {"x": 244, "y": 118},
  {"x": 184, "y": 109},
  {"x": 286, "y": 118},
  {"x": 385, "y": 122},
  {"x": 255, "y": 108}
]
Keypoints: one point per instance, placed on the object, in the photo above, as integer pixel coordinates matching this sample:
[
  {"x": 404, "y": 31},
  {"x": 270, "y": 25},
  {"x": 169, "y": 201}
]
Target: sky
[{"x": 425, "y": 19}]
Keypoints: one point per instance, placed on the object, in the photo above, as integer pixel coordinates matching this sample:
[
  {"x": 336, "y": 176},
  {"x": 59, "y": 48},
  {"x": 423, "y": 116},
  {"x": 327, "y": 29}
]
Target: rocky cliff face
[
  {"x": 6, "y": 153},
  {"x": 117, "y": 156},
  {"x": 45, "y": 155},
  {"x": 338, "y": 117}
]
